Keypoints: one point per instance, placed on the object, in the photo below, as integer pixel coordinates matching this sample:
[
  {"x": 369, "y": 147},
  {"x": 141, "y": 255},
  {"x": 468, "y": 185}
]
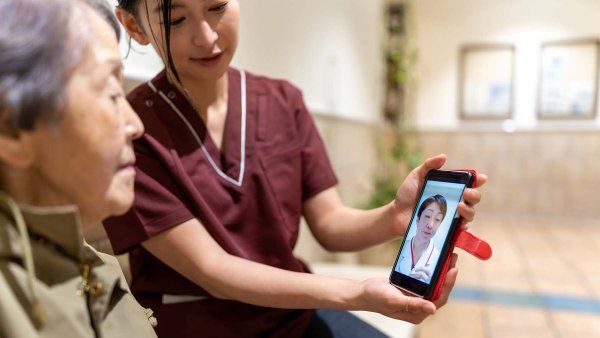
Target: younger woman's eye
[
  {"x": 219, "y": 8},
  {"x": 177, "y": 21}
]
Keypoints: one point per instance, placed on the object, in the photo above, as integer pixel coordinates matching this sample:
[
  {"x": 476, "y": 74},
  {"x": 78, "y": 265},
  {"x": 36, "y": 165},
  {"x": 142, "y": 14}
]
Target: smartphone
[{"x": 431, "y": 232}]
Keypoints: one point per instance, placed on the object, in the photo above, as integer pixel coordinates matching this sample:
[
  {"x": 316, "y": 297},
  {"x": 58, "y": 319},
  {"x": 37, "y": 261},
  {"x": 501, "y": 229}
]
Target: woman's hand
[
  {"x": 378, "y": 295},
  {"x": 407, "y": 195}
]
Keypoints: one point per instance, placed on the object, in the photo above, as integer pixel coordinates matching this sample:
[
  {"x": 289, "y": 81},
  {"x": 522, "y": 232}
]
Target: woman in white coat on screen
[{"x": 419, "y": 258}]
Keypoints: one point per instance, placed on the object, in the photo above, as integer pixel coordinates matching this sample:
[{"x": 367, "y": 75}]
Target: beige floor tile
[
  {"x": 565, "y": 284},
  {"x": 594, "y": 283},
  {"x": 509, "y": 333},
  {"x": 436, "y": 332},
  {"x": 507, "y": 282},
  {"x": 469, "y": 270},
  {"x": 456, "y": 319},
  {"x": 571, "y": 324},
  {"x": 541, "y": 256},
  {"x": 502, "y": 318}
]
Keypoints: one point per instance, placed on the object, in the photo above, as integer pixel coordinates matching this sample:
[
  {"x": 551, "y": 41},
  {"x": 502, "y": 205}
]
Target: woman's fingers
[
  {"x": 453, "y": 260},
  {"x": 447, "y": 287},
  {"x": 466, "y": 212},
  {"x": 435, "y": 162},
  {"x": 417, "y": 306},
  {"x": 472, "y": 196},
  {"x": 481, "y": 180}
]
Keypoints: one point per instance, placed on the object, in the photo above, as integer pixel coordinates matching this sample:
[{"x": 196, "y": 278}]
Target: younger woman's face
[
  {"x": 430, "y": 221},
  {"x": 204, "y": 35}
]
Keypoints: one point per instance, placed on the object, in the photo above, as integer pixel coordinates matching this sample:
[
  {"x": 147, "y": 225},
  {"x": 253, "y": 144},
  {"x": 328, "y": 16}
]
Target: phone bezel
[{"x": 415, "y": 286}]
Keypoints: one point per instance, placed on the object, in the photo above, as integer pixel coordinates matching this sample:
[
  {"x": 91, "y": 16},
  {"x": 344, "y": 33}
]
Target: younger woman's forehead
[{"x": 157, "y": 5}]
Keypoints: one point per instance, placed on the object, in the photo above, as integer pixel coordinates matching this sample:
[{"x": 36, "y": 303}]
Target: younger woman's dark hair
[
  {"x": 164, "y": 7},
  {"x": 439, "y": 199}
]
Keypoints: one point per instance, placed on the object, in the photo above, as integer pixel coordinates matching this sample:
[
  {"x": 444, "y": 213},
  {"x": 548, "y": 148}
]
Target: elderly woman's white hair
[
  {"x": 103, "y": 8},
  {"x": 39, "y": 48}
]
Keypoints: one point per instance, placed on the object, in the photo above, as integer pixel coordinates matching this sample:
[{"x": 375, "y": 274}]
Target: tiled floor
[{"x": 543, "y": 281}]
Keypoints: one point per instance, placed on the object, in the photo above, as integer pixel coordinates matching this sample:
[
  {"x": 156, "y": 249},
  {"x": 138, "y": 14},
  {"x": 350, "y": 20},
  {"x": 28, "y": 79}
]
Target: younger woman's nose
[{"x": 205, "y": 36}]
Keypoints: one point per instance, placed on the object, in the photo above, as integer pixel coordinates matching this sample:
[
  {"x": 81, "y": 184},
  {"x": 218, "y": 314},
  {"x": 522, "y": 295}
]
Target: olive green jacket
[{"x": 53, "y": 284}]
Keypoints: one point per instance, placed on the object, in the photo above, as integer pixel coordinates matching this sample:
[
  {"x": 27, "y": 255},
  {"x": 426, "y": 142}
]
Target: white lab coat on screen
[{"x": 426, "y": 262}]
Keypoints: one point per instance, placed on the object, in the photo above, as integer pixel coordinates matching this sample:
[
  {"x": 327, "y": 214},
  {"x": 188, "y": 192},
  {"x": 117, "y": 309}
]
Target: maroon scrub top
[{"x": 285, "y": 164}]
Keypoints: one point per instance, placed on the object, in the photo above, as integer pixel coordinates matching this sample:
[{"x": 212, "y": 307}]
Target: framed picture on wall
[
  {"x": 568, "y": 86},
  {"x": 486, "y": 75}
]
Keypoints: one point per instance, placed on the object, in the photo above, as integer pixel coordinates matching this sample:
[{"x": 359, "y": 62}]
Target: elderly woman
[{"x": 66, "y": 162}]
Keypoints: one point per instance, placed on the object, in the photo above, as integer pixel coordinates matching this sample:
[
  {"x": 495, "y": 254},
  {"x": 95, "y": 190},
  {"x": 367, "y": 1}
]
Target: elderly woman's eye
[{"x": 115, "y": 99}]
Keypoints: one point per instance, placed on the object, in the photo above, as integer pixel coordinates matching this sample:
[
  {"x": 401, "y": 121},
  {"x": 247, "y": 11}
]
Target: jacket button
[
  {"x": 153, "y": 321},
  {"x": 149, "y": 313},
  {"x": 171, "y": 95},
  {"x": 149, "y": 103},
  {"x": 96, "y": 289}
]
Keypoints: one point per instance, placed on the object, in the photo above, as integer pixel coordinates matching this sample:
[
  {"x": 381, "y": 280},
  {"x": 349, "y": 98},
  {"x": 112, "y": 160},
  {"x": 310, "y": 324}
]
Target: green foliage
[
  {"x": 397, "y": 72},
  {"x": 396, "y": 156},
  {"x": 384, "y": 191}
]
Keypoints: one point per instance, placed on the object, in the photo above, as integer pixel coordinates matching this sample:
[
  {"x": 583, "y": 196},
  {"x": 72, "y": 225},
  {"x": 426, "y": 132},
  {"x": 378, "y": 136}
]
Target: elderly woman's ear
[{"x": 14, "y": 149}]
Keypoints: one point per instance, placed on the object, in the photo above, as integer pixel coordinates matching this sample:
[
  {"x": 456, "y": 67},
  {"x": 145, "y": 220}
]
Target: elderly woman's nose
[{"x": 134, "y": 128}]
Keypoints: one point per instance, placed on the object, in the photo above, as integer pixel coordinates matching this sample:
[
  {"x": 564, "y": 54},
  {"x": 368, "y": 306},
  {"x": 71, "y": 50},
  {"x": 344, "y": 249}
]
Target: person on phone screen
[{"x": 419, "y": 259}]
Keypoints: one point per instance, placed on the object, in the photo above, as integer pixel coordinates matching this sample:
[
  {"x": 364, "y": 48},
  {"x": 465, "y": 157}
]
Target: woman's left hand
[{"x": 407, "y": 195}]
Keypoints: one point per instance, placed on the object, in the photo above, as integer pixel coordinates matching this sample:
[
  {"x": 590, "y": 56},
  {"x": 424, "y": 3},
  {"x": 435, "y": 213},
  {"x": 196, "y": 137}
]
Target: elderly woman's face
[
  {"x": 430, "y": 221},
  {"x": 87, "y": 158}
]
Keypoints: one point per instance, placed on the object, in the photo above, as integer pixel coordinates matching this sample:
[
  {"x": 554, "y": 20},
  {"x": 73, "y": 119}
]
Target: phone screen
[{"x": 430, "y": 226}]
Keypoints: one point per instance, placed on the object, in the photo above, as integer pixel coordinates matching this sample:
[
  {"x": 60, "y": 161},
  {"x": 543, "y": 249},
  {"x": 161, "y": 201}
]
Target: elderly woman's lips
[{"x": 128, "y": 165}]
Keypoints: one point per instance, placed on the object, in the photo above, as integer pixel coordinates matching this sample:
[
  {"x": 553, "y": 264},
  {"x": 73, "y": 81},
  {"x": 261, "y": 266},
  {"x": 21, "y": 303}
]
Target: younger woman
[{"x": 228, "y": 165}]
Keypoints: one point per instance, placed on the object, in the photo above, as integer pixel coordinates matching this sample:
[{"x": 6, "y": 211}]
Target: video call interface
[{"x": 427, "y": 232}]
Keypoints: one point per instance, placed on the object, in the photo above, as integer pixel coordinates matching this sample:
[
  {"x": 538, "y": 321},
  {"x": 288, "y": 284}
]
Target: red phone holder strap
[
  {"x": 467, "y": 241},
  {"x": 473, "y": 245}
]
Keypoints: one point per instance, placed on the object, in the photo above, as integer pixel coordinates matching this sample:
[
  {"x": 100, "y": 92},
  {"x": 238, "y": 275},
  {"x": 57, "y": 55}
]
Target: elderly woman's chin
[{"x": 120, "y": 194}]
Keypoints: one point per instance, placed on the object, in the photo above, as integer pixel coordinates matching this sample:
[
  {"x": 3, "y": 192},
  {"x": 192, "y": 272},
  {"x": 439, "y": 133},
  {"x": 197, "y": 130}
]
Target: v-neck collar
[
  {"x": 426, "y": 254},
  {"x": 229, "y": 162}
]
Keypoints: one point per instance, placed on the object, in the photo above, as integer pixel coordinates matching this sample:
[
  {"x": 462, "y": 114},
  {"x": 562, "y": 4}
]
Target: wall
[
  {"x": 330, "y": 49},
  {"x": 533, "y": 175},
  {"x": 443, "y": 26}
]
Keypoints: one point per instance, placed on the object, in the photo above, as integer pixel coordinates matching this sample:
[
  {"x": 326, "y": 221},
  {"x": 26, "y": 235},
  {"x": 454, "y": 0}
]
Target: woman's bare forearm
[
  {"x": 191, "y": 251},
  {"x": 341, "y": 228}
]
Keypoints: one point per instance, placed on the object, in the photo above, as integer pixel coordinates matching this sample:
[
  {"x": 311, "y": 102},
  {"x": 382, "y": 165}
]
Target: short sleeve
[
  {"x": 317, "y": 172},
  {"x": 159, "y": 203}
]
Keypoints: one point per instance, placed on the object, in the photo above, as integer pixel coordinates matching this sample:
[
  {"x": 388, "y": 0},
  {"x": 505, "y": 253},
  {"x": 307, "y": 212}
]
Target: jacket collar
[{"x": 59, "y": 226}]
